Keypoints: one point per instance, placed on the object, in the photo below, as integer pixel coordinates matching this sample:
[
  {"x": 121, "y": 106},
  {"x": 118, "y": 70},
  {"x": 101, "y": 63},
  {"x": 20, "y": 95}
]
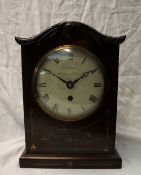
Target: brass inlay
[{"x": 33, "y": 147}]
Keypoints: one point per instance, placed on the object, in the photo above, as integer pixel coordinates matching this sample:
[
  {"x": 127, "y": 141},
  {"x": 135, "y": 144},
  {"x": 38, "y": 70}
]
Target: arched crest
[{"x": 67, "y": 30}]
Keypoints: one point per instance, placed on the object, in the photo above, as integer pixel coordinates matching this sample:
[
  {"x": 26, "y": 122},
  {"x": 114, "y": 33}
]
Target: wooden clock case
[{"x": 89, "y": 143}]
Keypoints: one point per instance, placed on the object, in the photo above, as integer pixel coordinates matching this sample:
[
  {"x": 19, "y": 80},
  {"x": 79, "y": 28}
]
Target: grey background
[{"x": 26, "y": 18}]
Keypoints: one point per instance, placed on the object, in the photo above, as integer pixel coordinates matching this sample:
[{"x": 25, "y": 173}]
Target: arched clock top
[{"x": 69, "y": 30}]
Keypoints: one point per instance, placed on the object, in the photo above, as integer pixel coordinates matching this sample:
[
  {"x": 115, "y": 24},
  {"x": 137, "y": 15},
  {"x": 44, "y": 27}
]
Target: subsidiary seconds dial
[{"x": 68, "y": 83}]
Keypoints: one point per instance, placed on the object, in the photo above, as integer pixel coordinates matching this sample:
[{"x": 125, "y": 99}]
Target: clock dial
[{"x": 69, "y": 83}]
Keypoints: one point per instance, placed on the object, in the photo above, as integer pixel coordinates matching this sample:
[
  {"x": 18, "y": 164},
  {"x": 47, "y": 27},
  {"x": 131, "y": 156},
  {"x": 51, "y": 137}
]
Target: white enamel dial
[{"x": 69, "y": 83}]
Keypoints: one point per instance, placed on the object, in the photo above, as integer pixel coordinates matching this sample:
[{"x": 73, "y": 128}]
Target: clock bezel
[{"x": 58, "y": 117}]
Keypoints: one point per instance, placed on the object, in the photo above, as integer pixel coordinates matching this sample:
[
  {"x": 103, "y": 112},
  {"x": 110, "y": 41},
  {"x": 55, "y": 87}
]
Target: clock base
[{"x": 81, "y": 161}]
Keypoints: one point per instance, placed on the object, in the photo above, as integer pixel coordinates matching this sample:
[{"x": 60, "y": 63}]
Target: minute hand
[
  {"x": 85, "y": 74},
  {"x": 55, "y": 76}
]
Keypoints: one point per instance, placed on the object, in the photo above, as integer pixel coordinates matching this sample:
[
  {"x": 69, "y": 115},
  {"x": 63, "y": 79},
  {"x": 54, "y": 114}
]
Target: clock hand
[
  {"x": 69, "y": 84},
  {"x": 85, "y": 74},
  {"x": 55, "y": 76}
]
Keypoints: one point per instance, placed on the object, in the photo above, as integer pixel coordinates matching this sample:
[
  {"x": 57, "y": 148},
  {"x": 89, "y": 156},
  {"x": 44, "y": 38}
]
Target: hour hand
[
  {"x": 85, "y": 74},
  {"x": 55, "y": 75}
]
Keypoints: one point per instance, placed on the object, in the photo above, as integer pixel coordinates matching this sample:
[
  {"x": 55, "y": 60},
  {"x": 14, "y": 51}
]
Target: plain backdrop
[{"x": 26, "y": 18}]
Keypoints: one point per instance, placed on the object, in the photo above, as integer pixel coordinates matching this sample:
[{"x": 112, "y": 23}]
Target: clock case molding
[{"x": 89, "y": 143}]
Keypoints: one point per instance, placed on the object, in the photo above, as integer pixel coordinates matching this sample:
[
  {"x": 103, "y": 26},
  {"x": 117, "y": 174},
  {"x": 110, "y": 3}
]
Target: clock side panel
[
  {"x": 29, "y": 59},
  {"x": 110, "y": 60}
]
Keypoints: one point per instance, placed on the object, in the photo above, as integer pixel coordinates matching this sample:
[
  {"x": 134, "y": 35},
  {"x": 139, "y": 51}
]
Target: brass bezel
[{"x": 37, "y": 98}]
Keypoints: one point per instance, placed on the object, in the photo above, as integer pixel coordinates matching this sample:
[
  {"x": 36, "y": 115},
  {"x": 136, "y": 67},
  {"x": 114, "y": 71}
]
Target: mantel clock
[{"x": 70, "y": 83}]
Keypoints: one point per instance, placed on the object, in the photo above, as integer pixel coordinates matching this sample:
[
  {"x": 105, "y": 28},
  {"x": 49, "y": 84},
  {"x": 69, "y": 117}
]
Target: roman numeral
[
  {"x": 41, "y": 84},
  {"x": 92, "y": 98},
  {"x": 83, "y": 60},
  {"x": 69, "y": 111},
  {"x": 97, "y": 84},
  {"x": 45, "y": 98},
  {"x": 70, "y": 56},
  {"x": 56, "y": 60},
  {"x": 55, "y": 108}
]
